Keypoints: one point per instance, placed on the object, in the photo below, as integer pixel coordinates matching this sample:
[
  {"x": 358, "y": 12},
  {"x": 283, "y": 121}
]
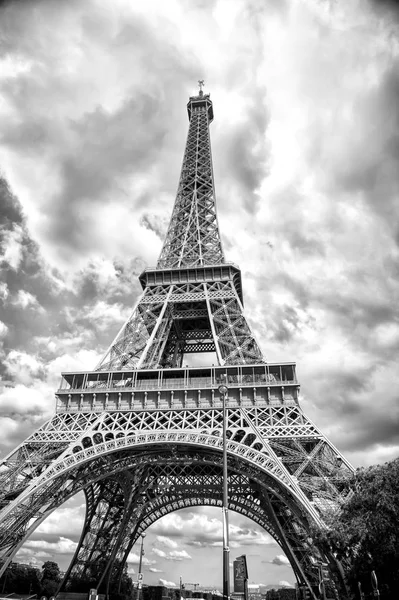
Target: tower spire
[
  {"x": 193, "y": 237},
  {"x": 201, "y": 83}
]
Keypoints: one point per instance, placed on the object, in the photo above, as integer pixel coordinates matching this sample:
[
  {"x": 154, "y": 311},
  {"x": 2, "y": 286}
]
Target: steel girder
[
  {"x": 277, "y": 438},
  {"x": 155, "y": 334},
  {"x": 127, "y": 491},
  {"x": 95, "y": 454}
]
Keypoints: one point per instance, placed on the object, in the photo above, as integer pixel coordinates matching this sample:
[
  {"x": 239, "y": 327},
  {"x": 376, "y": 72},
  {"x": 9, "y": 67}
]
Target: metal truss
[
  {"x": 127, "y": 491},
  {"x": 174, "y": 432},
  {"x": 193, "y": 479},
  {"x": 193, "y": 235},
  {"x": 141, "y": 435},
  {"x": 173, "y": 320}
]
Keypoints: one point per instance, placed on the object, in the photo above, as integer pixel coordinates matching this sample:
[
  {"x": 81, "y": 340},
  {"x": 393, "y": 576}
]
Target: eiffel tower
[{"x": 141, "y": 434}]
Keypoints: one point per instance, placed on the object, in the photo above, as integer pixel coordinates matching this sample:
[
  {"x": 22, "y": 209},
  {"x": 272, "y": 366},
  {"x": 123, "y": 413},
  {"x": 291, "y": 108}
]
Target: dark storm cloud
[
  {"x": 10, "y": 208},
  {"x": 245, "y": 155},
  {"x": 284, "y": 324},
  {"x": 348, "y": 307},
  {"x": 96, "y": 152},
  {"x": 52, "y": 311},
  {"x": 25, "y": 274},
  {"x": 392, "y": 6},
  {"x": 372, "y": 428},
  {"x": 105, "y": 154},
  {"x": 20, "y": 16},
  {"x": 125, "y": 284},
  {"x": 306, "y": 244},
  {"x": 373, "y": 169}
]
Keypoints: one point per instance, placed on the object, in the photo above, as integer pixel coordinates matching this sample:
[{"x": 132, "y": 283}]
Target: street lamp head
[
  {"x": 223, "y": 389},
  {"x": 143, "y": 535}
]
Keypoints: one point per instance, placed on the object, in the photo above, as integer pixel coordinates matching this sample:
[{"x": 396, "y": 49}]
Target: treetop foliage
[{"x": 364, "y": 533}]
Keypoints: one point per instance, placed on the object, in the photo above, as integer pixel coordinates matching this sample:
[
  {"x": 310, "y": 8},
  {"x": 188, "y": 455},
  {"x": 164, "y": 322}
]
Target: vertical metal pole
[
  {"x": 5, "y": 579},
  {"x": 226, "y": 549},
  {"x": 374, "y": 583},
  {"x": 140, "y": 574},
  {"x": 322, "y": 585},
  {"x": 359, "y": 585}
]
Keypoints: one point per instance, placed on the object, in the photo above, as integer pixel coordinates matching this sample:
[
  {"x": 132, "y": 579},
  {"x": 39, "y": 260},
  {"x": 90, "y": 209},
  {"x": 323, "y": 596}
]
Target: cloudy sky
[{"x": 306, "y": 149}]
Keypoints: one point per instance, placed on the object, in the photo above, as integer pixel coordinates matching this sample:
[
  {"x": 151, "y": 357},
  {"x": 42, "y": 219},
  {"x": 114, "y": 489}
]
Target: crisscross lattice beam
[{"x": 193, "y": 235}]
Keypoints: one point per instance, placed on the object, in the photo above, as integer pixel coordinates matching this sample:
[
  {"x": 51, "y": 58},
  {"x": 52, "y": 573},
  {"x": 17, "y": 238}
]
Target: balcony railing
[{"x": 212, "y": 377}]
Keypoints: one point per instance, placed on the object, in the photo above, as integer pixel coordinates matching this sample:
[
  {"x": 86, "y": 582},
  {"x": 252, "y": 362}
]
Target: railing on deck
[{"x": 238, "y": 376}]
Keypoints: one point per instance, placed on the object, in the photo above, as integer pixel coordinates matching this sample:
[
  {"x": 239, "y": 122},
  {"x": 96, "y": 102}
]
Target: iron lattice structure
[{"x": 141, "y": 434}]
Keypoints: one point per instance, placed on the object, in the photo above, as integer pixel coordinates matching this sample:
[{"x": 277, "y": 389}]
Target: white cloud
[
  {"x": 23, "y": 367},
  {"x": 285, "y": 583},
  {"x": 3, "y": 329},
  {"x": 280, "y": 559},
  {"x": 22, "y": 399},
  {"x": 12, "y": 247},
  {"x": 9, "y": 426},
  {"x": 167, "y": 583},
  {"x": 106, "y": 315},
  {"x": 61, "y": 546},
  {"x": 4, "y": 291},
  {"x": 178, "y": 555},
  {"x": 205, "y": 531},
  {"x": 165, "y": 541},
  {"x": 134, "y": 559},
  {"x": 33, "y": 556},
  {"x": 63, "y": 521},
  {"x": 26, "y": 299}
]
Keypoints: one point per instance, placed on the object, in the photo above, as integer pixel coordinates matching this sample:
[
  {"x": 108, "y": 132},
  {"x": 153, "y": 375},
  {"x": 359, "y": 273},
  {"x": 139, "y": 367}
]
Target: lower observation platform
[
  {"x": 190, "y": 387},
  {"x": 196, "y": 274}
]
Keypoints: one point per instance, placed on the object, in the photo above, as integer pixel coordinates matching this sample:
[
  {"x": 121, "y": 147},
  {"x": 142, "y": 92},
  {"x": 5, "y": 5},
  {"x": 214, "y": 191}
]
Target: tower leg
[{"x": 109, "y": 507}]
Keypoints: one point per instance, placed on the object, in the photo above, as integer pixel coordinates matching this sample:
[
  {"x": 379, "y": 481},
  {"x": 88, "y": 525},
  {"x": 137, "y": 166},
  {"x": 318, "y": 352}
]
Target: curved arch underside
[{"x": 126, "y": 491}]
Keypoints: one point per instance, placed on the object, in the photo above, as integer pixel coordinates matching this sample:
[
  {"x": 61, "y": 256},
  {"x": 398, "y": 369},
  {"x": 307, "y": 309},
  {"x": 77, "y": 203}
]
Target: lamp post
[
  {"x": 223, "y": 389},
  {"x": 374, "y": 583},
  {"x": 319, "y": 564},
  {"x": 322, "y": 585},
  {"x": 140, "y": 574},
  {"x": 361, "y": 594}
]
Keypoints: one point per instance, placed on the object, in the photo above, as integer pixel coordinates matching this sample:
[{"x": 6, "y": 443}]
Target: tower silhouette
[{"x": 141, "y": 434}]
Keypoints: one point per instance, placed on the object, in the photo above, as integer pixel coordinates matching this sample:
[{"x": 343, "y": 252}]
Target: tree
[
  {"x": 126, "y": 583},
  {"x": 51, "y": 578},
  {"x": 117, "y": 589},
  {"x": 364, "y": 534},
  {"x": 20, "y": 579}
]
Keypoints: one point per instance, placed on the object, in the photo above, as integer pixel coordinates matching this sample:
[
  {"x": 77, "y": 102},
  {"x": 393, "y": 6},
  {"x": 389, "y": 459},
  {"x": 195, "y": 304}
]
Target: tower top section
[
  {"x": 200, "y": 103},
  {"x": 193, "y": 237}
]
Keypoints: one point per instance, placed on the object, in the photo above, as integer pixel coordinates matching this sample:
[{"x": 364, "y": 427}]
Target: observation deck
[
  {"x": 180, "y": 388},
  {"x": 202, "y": 102},
  {"x": 195, "y": 274}
]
